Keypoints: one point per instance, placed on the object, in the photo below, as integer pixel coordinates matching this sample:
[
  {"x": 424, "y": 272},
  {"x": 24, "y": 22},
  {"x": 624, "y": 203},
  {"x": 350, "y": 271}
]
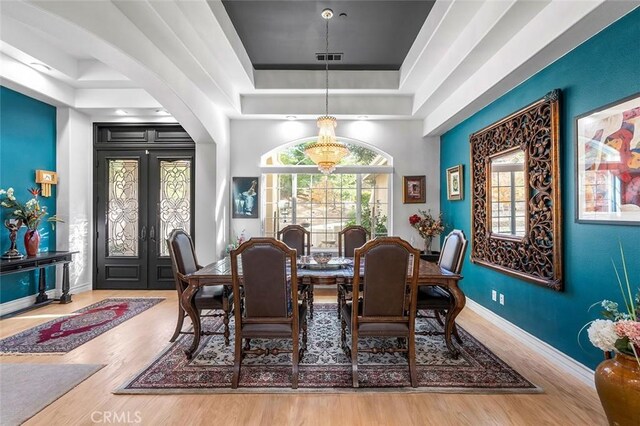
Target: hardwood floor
[{"x": 133, "y": 344}]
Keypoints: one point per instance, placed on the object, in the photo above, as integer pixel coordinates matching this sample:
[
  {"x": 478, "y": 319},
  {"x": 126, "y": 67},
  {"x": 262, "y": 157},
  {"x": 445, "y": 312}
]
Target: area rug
[
  {"x": 67, "y": 333},
  {"x": 28, "y": 388},
  {"x": 325, "y": 368}
]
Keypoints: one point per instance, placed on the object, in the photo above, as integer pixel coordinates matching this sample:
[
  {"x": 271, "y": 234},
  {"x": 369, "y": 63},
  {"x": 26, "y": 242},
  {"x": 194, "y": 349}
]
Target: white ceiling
[{"x": 186, "y": 57}]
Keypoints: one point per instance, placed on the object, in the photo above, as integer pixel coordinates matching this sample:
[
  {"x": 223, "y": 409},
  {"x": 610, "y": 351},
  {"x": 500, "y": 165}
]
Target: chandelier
[{"x": 326, "y": 152}]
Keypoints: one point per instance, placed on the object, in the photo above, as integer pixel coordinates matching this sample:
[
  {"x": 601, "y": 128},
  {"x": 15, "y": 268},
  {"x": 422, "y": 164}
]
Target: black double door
[{"x": 141, "y": 196}]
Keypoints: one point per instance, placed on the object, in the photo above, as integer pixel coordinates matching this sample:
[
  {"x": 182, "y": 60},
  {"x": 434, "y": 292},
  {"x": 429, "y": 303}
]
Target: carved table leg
[
  {"x": 460, "y": 301},
  {"x": 65, "y": 297},
  {"x": 42, "y": 287},
  {"x": 189, "y": 306},
  {"x": 310, "y": 301}
]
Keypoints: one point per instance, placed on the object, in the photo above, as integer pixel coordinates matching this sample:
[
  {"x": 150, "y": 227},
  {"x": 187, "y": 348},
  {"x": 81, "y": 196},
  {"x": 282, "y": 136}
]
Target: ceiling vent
[{"x": 331, "y": 57}]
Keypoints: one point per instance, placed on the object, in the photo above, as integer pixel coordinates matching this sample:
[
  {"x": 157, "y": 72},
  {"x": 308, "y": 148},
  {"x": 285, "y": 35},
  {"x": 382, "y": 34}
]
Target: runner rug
[
  {"x": 67, "y": 333},
  {"x": 325, "y": 368}
]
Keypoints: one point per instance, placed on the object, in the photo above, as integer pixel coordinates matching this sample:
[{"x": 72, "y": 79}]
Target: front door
[{"x": 141, "y": 196}]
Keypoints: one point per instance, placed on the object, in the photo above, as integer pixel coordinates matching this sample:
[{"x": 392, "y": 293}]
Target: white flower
[
  {"x": 17, "y": 212},
  {"x": 602, "y": 334},
  {"x": 2, "y": 192},
  {"x": 10, "y": 192},
  {"x": 4, "y": 204},
  {"x": 31, "y": 203},
  {"x": 11, "y": 197}
]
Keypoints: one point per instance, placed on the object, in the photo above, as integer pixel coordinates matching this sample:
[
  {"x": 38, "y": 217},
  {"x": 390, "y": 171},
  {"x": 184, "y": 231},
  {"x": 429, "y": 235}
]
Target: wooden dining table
[{"x": 219, "y": 273}]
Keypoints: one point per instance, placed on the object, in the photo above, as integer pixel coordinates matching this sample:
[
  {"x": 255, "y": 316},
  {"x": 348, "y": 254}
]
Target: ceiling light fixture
[
  {"x": 326, "y": 152},
  {"x": 39, "y": 66},
  {"x": 362, "y": 117},
  {"x": 121, "y": 112},
  {"x": 291, "y": 117}
]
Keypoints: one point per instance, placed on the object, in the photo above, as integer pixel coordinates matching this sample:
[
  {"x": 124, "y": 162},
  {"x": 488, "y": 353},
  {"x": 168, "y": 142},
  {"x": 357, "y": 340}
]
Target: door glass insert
[
  {"x": 122, "y": 208},
  {"x": 175, "y": 199}
]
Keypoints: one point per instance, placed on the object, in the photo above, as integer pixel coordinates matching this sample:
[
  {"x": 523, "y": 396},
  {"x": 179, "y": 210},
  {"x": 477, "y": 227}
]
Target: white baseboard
[
  {"x": 80, "y": 288},
  {"x": 23, "y": 302},
  {"x": 565, "y": 362}
]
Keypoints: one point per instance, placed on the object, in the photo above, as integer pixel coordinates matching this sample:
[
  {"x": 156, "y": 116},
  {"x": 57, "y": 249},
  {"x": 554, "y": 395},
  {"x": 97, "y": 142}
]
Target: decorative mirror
[{"x": 515, "y": 180}]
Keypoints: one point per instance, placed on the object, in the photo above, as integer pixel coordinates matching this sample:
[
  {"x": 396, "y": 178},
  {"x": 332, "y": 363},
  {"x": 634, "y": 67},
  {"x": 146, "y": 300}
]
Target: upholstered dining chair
[
  {"x": 388, "y": 304},
  {"x": 350, "y": 238},
  {"x": 296, "y": 237},
  {"x": 267, "y": 282},
  {"x": 439, "y": 299},
  {"x": 210, "y": 298}
]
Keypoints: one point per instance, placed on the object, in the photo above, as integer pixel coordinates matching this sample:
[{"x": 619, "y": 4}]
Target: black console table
[
  {"x": 41, "y": 261},
  {"x": 434, "y": 256}
]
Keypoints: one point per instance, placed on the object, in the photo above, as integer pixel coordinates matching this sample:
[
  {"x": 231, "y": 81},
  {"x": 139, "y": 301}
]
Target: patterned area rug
[
  {"x": 65, "y": 334},
  {"x": 325, "y": 368}
]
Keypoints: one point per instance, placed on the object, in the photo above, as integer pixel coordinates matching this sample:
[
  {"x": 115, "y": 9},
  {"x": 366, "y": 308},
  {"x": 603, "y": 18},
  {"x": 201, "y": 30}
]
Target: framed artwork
[
  {"x": 455, "y": 183},
  {"x": 608, "y": 163},
  {"x": 245, "y": 195},
  {"x": 414, "y": 189}
]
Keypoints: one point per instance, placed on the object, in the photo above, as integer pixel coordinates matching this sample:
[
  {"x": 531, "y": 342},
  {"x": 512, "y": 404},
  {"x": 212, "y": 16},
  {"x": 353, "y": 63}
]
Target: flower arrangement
[
  {"x": 30, "y": 213},
  {"x": 618, "y": 331},
  {"x": 239, "y": 239},
  {"x": 426, "y": 225}
]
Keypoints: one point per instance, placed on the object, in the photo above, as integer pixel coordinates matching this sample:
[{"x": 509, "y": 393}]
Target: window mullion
[
  {"x": 359, "y": 199},
  {"x": 294, "y": 198}
]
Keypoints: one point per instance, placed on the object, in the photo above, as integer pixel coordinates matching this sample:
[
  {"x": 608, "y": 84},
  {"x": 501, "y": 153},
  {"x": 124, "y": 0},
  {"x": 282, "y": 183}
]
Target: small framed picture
[
  {"x": 608, "y": 163},
  {"x": 455, "y": 183},
  {"x": 414, "y": 189},
  {"x": 245, "y": 195}
]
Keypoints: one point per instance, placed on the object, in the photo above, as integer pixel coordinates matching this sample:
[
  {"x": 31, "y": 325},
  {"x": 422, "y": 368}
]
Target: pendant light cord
[{"x": 326, "y": 62}]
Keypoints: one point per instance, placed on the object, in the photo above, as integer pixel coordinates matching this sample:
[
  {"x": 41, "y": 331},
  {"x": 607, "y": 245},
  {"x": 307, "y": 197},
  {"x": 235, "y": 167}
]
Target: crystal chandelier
[{"x": 326, "y": 152}]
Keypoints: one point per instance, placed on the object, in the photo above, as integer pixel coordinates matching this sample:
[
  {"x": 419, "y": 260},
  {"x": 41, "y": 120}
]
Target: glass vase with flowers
[
  {"x": 427, "y": 226},
  {"x": 30, "y": 214}
]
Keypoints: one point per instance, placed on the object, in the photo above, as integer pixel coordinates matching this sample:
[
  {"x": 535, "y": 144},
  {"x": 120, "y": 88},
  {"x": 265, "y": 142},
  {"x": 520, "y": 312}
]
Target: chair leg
[
  {"x": 354, "y": 357},
  {"x": 237, "y": 361},
  {"x": 437, "y": 315},
  {"x": 343, "y": 335},
  {"x": 412, "y": 361},
  {"x": 455, "y": 333},
  {"x": 247, "y": 344},
  {"x": 304, "y": 337},
  {"x": 179, "y": 324},
  {"x": 295, "y": 360},
  {"x": 225, "y": 320}
]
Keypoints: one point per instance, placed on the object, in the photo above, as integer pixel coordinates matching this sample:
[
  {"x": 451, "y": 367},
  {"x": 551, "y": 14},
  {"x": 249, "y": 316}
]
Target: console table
[{"x": 41, "y": 261}]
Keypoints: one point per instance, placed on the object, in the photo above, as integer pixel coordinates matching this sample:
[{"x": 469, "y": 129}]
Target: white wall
[
  {"x": 412, "y": 155},
  {"x": 75, "y": 195}
]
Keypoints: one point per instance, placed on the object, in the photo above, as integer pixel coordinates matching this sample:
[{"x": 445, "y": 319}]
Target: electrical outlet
[
  {"x": 501, "y": 299},
  {"x": 494, "y": 295}
]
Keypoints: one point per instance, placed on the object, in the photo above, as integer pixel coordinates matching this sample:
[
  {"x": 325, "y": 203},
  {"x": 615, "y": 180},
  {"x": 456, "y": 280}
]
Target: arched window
[{"x": 357, "y": 193}]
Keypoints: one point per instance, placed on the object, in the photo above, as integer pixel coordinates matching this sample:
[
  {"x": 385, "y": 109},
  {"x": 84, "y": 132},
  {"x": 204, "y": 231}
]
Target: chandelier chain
[{"x": 326, "y": 68}]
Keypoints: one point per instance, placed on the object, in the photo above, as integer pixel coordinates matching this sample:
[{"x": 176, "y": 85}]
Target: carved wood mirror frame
[{"x": 536, "y": 256}]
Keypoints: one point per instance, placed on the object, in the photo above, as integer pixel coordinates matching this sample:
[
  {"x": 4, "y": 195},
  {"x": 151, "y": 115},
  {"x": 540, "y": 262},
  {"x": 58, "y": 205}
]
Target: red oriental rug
[
  {"x": 325, "y": 368},
  {"x": 65, "y": 334}
]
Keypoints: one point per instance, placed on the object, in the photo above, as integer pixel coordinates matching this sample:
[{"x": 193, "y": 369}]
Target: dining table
[{"x": 219, "y": 273}]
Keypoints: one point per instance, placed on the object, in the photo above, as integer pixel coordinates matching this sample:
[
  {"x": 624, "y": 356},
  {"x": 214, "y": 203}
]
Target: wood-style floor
[{"x": 133, "y": 344}]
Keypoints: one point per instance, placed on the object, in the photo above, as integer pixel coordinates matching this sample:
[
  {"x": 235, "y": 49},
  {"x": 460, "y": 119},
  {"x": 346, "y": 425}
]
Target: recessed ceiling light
[
  {"x": 291, "y": 117},
  {"x": 162, "y": 112},
  {"x": 40, "y": 66},
  {"x": 362, "y": 117},
  {"x": 121, "y": 112}
]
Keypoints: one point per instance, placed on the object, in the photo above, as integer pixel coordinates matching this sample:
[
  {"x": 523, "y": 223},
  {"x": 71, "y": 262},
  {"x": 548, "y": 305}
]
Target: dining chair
[
  {"x": 350, "y": 238},
  {"x": 296, "y": 237},
  {"x": 268, "y": 285},
  {"x": 209, "y": 298},
  {"x": 436, "y": 298},
  {"x": 387, "y": 307}
]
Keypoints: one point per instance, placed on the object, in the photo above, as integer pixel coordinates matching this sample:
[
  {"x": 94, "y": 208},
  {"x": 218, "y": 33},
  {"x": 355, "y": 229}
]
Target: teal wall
[
  {"x": 27, "y": 144},
  {"x": 601, "y": 70}
]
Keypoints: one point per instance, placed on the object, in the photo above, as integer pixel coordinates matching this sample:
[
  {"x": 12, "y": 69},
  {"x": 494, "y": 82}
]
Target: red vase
[{"x": 32, "y": 242}]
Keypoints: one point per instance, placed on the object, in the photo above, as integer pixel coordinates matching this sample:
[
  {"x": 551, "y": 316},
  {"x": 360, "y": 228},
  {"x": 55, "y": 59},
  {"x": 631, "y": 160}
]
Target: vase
[
  {"x": 427, "y": 245},
  {"x": 618, "y": 384},
  {"x": 32, "y": 242}
]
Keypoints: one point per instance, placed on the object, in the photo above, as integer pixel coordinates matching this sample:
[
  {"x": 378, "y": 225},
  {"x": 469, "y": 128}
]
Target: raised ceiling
[{"x": 374, "y": 35}]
